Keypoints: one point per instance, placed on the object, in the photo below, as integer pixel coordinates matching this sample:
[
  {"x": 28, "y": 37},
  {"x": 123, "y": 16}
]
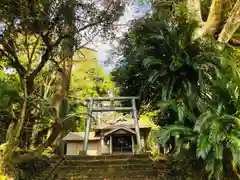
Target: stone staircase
[{"x": 114, "y": 167}]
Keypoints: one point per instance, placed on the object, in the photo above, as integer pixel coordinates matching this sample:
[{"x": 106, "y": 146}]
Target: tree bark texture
[
  {"x": 59, "y": 103},
  {"x": 209, "y": 27},
  {"x": 194, "y": 8},
  {"x": 212, "y": 25},
  {"x": 232, "y": 24},
  {"x": 14, "y": 140}
]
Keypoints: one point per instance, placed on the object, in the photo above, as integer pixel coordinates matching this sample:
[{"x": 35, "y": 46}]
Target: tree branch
[
  {"x": 211, "y": 25},
  {"x": 194, "y": 8},
  {"x": 44, "y": 58},
  {"x": 214, "y": 17},
  {"x": 234, "y": 42},
  {"x": 15, "y": 138},
  {"x": 232, "y": 24},
  {"x": 45, "y": 38},
  {"x": 33, "y": 51},
  {"x": 56, "y": 129},
  {"x": 12, "y": 56},
  {"x": 59, "y": 40},
  {"x": 48, "y": 85},
  {"x": 91, "y": 24},
  {"x": 46, "y": 55}
]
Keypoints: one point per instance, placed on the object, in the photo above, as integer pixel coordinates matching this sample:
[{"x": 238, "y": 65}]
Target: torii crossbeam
[{"x": 92, "y": 109}]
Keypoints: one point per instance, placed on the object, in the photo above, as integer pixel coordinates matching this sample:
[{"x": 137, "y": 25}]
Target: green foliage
[
  {"x": 88, "y": 80},
  {"x": 33, "y": 169},
  {"x": 9, "y": 100},
  {"x": 153, "y": 135},
  {"x": 194, "y": 83},
  {"x": 38, "y": 41}
]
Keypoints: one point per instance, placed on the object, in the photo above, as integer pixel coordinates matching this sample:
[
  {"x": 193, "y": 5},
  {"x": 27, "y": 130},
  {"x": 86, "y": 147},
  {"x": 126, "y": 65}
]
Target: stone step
[
  {"x": 114, "y": 174},
  {"x": 105, "y": 168},
  {"x": 105, "y": 178},
  {"x": 108, "y": 167},
  {"x": 71, "y": 162},
  {"x": 103, "y": 157}
]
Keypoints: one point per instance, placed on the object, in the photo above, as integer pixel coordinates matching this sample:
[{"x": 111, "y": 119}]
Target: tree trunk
[
  {"x": 214, "y": 17},
  {"x": 33, "y": 135},
  {"x": 13, "y": 141},
  {"x": 4, "y": 173},
  {"x": 30, "y": 120},
  {"x": 194, "y": 9},
  {"x": 56, "y": 129},
  {"x": 10, "y": 130},
  {"x": 59, "y": 103},
  {"x": 232, "y": 24},
  {"x": 209, "y": 27},
  {"x": 6, "y": 168},
  {"x": 2, "y": 170}
]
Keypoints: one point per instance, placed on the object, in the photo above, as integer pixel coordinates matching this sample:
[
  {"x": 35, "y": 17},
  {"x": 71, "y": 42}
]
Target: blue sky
[{"x": 133, "y": 11}]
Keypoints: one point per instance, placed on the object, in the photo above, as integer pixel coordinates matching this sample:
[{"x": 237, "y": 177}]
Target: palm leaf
[
  {"x": 202, "y": 121},
  {"x": 218, "y": 151},
  {"x": 203, "y": 146},
  {"x": 215, "y": 131},
  {"x": 214, "y": 167},
  {"x": 172, "y": 130}
]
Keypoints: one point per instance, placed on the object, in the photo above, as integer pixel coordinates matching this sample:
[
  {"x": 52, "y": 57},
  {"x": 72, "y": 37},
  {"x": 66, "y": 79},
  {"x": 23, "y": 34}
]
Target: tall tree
[
  {"x": 216, "y": 18},
  {"x": 38, "y": 37},
  {"x": 193, "y": 82}
]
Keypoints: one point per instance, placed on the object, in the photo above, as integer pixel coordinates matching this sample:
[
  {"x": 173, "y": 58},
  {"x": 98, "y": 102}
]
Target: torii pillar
[{"x": 91, "y": 109}]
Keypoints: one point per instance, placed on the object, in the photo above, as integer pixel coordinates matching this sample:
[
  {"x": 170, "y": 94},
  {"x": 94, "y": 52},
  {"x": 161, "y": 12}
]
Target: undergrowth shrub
[{"x": 33, "y": 169}]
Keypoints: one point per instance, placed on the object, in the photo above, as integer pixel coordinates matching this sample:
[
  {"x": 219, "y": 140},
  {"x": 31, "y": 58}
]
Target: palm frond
[
  {"x": 214, "y": 167},
  {"x": 218, "y": 151},
  {"x": 203, "y": 146},
  {"x": 215, "y": 131},
  {"x": 172, "y": 130},
  {"x": 202, "y": 121}
]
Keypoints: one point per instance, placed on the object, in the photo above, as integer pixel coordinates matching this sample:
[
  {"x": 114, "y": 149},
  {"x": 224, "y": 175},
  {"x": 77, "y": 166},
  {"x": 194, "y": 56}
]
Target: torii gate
[{"x": 92, "y": 109}]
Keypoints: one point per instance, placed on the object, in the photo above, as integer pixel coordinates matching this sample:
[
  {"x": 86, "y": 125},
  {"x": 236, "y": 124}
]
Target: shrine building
[{"x": 117, "y": 137}]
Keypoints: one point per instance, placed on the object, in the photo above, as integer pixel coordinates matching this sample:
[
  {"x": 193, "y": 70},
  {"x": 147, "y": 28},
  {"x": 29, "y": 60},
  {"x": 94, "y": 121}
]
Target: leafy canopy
[{"x": 193, "y": 83}]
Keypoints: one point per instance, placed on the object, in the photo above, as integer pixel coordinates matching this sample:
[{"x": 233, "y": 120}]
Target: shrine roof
[
  {"x": 126, "y": 123},
  {"x": 120, "y": 128},
  {"x": 79, "y": 136},
  {"x": 112, "y": 126}
]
